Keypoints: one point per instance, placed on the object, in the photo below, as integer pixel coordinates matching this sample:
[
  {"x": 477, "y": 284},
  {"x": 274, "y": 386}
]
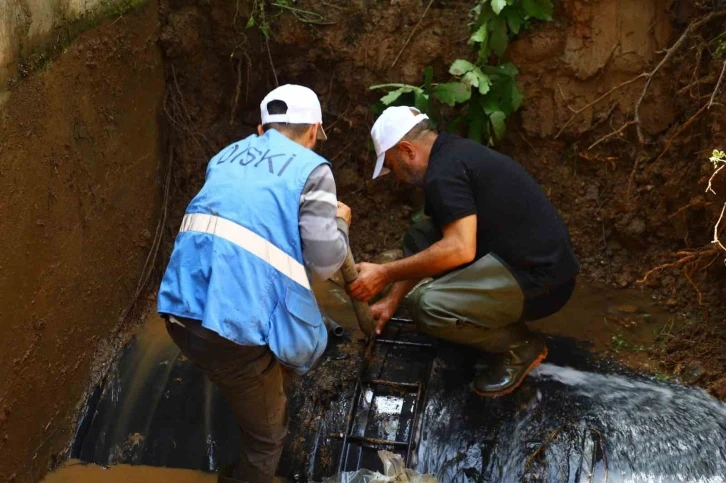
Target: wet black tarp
[{"x": 575, "y": 419}]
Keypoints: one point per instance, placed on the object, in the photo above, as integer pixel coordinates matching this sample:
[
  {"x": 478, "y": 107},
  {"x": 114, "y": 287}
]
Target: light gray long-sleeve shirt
[{"x": 324, "y": 237}]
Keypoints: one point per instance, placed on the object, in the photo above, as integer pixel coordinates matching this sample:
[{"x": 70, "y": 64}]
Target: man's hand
[
  {"x": 344, "y": 213},
  {"x": 372, "y": 278},
  {"x": 382, "y": 311}
]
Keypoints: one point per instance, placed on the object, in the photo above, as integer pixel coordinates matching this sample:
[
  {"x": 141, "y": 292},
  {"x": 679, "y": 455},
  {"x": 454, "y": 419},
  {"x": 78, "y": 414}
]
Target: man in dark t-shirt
[{"x": 496, "y": 248}]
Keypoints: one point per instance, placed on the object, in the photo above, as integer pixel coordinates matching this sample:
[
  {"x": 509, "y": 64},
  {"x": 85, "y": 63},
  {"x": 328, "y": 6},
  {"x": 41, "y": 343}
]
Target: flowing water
[
  {"x": 649, "y": 431},
  {"x": 571, "y": 425},
  {"x": 575, "y": 419}
]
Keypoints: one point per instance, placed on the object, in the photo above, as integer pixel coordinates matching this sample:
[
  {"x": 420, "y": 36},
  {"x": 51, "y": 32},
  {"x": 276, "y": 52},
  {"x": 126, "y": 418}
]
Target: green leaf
[
  {"x": 499, "y": 38},
  {"x": 498, "y": 5},
  {"x": 461, "y": 67},
  {"x": 480, "y": 35},
  {"x": 482, "y": 13},
  {"x": 470, "y": 79},
  {"x": 517, "y": 98},
  {"x": 476, "y": 78},
  {"x": 497, "y": 119},
  {"x": 539, "y": 9},
  {"x": 490, "y": 103},
  {"x": 428, "y": 77},
  {"x": 421, "y": 102},
  {"x": 452, "y": 93},
  {"x": 265, "y": 29},
  {"x": 514, "y": 19},
  {"x": 509, "y": 69},
  {"x": 251, "y": 22},
  {"x": 485, "y": 83},
  {"x": 391, "y": 97}
]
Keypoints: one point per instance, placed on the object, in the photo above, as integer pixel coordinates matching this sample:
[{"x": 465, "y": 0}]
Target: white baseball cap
[
  {"x": 303, "y": 107},
  {"x": 390, "y": 127}
]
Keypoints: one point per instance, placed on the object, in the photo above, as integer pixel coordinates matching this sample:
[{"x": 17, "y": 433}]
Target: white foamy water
[{"x": 625, "y": 430}]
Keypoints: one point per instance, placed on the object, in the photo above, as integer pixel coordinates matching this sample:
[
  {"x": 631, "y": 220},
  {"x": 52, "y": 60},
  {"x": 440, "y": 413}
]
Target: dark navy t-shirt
[{"x": 515, "y": 219}]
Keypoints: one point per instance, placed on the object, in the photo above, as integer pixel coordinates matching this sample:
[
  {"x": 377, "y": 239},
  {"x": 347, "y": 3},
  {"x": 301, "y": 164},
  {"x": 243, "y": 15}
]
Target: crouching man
[
  {"x": 237, "y": 293},
  {"x": 497, "y": 250}
]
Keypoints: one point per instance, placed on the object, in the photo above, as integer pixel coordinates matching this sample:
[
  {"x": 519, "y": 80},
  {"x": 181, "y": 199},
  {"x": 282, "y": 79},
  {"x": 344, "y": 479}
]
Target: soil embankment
[{"x": 80, "y": 159}]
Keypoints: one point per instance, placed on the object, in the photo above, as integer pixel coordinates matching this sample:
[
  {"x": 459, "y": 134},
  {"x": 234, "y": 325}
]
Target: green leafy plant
[
  {"x": 661, "y": 377},
  {"x": 486, "y": 89},
  {"x": 717, "y": 157},
  {"x": 619, "y": 344}
]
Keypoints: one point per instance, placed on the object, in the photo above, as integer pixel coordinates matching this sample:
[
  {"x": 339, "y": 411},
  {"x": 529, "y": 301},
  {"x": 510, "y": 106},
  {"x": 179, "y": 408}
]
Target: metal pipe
[
  {"x": 333, "y": 327},
  {"x": 368, "y": 441}
]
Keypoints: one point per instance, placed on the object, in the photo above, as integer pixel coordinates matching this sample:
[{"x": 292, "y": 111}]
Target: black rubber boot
[{"x": 509, "y": 370}]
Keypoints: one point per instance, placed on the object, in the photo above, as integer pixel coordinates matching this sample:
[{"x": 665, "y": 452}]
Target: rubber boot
[{"x": 509, "y": 370}]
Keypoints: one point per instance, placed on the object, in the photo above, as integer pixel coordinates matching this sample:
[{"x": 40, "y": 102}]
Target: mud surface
[
  {"x": 80, "y": 155},
  {"x": 576, "y": 415}
]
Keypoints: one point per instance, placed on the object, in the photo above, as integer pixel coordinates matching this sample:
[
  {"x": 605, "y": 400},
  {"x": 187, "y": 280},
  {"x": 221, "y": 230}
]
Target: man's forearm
[
  {"x": 439, "y": 258},
  {"x": 400, "y": 289}
]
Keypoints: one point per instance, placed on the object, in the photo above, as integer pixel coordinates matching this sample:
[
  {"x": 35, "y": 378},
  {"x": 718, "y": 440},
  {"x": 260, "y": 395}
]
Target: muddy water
[
  {"x": 575, "y": 417},
  {"x": 75, "y": 471}
]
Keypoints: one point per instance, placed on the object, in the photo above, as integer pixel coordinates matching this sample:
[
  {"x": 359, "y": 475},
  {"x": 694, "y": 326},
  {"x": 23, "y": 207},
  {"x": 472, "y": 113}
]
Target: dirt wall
[
  {"x": 631, "y": 206},
  {"x": 79, "y": 167}
]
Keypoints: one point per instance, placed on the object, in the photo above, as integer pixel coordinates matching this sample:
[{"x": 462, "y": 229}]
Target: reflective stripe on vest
[{"x": 249, "y": 241}]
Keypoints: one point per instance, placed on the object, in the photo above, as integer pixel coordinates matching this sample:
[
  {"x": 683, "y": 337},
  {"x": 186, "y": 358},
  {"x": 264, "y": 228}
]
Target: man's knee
[
  {"x": 420, "y": 236},
  {"x": 427, "y": 312}
]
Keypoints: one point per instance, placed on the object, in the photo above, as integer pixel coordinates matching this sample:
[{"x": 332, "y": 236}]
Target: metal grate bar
[
  {"x": 404, "y": 343},
  {"x": 419, "y": 388}
]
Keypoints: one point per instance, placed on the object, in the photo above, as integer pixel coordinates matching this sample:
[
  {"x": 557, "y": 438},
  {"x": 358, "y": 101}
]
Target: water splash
[{"x": 628, "y": 430}]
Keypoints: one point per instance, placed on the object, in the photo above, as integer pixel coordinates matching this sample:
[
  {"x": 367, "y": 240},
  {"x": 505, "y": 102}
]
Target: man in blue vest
[{"x": 236, "y": 294}]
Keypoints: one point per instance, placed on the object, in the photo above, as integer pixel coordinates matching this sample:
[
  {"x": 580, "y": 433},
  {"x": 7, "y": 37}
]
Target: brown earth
[
  {"x": 90, "y": 121},
  {"x": 80, "y": 155},
  {"x": 624, "y": 220}
]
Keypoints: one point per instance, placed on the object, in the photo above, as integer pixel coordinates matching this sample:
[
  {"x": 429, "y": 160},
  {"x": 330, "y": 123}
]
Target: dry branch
[
  {"x": 703, "y": 80},
  {"x": 412, "y": 32},
  {"x": 709, "y": 189},
  {"x": 598, "y": 100},
  {"x": 669, "y": 142},
  {"x": 612, "y": 134},
  {"x": 272, "y": 64},
  {"x": 718, "y": 85},
  {"x": 716, "y": 241}
]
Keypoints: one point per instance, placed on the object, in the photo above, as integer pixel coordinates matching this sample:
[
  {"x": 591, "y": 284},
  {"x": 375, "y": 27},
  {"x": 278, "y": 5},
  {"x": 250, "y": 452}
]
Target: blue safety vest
[{"x": 237, "y": 263}]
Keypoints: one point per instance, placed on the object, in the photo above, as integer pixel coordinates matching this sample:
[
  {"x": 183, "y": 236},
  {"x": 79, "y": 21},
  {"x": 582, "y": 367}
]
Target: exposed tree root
[
  {"x": 686, "y": 125},
  {"x": 718, "y": 86},
  {"x": 710, "y": 180}
]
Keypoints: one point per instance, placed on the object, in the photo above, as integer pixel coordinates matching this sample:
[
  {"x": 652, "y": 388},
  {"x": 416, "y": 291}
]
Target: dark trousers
[
  {"x": 252, "y": 381},
  {"x": 482, "y": 305}
]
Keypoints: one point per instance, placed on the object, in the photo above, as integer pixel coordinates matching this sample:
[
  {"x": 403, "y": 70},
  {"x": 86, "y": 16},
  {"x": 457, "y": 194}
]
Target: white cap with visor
[
  {"x": 390, "y": 127},
  {"x": 303, "y": 107}
]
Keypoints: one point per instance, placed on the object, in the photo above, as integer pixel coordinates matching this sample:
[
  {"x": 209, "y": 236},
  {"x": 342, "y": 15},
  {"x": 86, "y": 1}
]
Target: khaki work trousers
[
  {"x": 481, "y": 305},
  {"x": 252, "y": 381}
]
